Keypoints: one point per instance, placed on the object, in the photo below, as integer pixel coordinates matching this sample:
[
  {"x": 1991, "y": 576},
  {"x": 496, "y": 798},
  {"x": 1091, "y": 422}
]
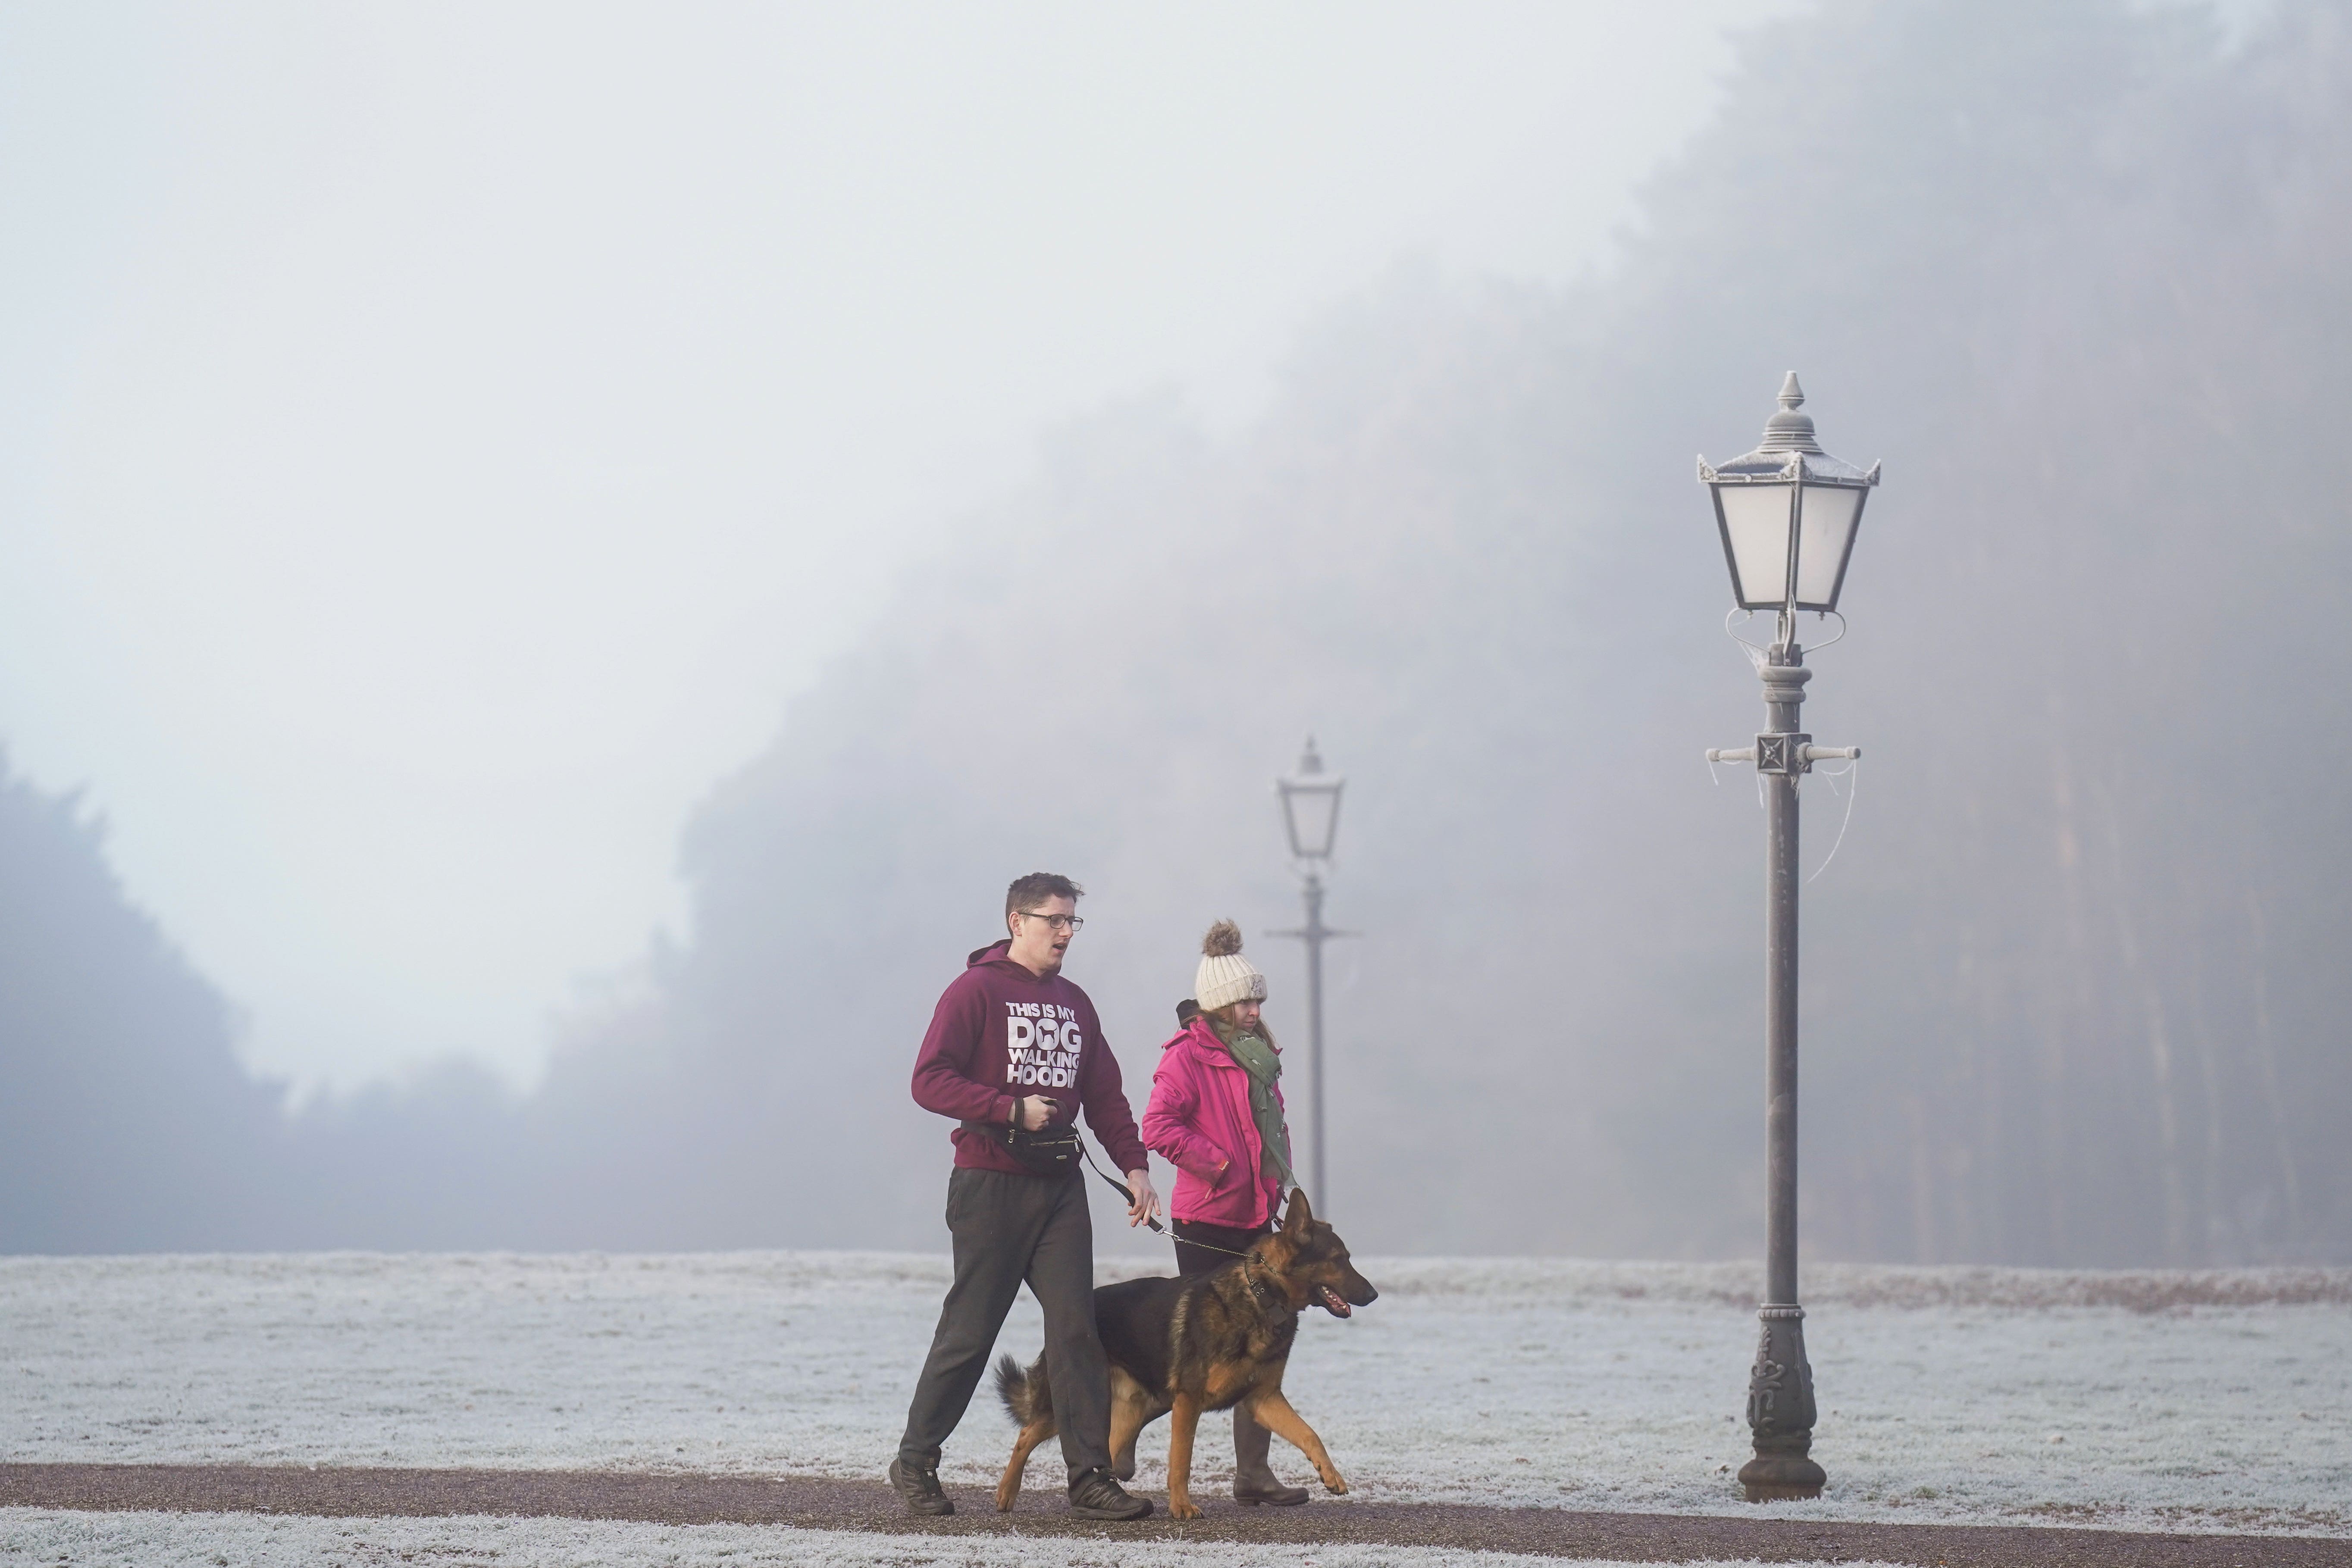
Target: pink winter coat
[{"x": 1199, "y": 1120}]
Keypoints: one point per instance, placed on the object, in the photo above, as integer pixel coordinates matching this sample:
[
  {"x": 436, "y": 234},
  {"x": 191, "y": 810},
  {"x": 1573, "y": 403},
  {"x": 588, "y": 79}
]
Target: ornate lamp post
[
  {"x": 1311, "y": 814},
  {"x": 1788, "y": 512}
]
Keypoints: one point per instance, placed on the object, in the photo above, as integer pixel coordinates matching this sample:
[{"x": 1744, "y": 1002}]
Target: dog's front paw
[
  {"x": 1335, "y": 1483},
  {"x": 1183, "y": 1507}
]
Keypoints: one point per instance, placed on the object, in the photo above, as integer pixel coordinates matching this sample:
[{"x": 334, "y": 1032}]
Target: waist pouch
[{"x": 1051, "y": 1151}]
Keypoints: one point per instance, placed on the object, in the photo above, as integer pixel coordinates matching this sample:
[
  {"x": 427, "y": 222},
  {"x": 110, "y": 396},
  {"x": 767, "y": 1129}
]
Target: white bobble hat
[{"x": 1224, "y": 976}]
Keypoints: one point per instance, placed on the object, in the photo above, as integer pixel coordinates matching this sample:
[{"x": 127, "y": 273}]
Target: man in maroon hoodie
[{"x": 1012, "y": 1043}]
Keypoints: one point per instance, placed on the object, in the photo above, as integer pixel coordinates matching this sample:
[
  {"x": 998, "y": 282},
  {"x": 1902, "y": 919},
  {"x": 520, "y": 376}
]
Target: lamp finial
[{"x": 1789, "y": 431}]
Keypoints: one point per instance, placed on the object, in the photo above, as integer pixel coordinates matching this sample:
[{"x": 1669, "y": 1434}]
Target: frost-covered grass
[
  {"x": 2149, "y": 1401},
  {"x": 206, "y": 1540}
]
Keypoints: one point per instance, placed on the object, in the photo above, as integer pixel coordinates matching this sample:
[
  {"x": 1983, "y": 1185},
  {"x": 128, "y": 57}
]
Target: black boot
[{"x": 1254, "y": 1478}]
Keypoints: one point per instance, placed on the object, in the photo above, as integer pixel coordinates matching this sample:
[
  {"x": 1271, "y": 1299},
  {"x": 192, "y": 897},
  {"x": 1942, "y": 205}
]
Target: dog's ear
[{"x": 1301, "y": 1215}]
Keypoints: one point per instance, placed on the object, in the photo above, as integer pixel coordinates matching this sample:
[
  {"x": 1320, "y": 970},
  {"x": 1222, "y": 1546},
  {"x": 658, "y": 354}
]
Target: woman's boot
[{"x": 1254, "y": 1478}]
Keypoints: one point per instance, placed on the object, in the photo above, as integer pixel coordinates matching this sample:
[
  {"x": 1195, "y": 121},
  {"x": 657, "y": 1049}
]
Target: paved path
[{"x": 827, "y": 1504}]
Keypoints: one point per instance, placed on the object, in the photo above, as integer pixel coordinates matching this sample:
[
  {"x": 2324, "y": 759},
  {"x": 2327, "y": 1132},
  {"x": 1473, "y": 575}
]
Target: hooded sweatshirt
[{"x": 1001, "y": 1032}]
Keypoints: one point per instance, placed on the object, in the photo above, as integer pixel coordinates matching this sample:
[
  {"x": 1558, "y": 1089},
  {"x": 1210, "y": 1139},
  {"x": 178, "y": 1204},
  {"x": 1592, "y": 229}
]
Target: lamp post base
[
  {"x": 1781, "y": 1477},
  {"x": 1780, "y": 1412}
]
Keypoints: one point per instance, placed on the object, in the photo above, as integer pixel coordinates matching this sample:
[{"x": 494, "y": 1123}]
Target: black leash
[
  {"x": 1121, "y": 1188},
  {"x": 1124, "y": 1191}
]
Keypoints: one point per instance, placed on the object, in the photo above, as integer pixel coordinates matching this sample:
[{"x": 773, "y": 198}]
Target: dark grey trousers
[{"x": 1009, "y": 1228}]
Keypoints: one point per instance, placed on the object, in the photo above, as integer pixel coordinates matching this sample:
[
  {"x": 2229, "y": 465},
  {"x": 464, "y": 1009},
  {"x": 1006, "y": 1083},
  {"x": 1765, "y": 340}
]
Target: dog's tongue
[{"x": 1331, "y": 1301}]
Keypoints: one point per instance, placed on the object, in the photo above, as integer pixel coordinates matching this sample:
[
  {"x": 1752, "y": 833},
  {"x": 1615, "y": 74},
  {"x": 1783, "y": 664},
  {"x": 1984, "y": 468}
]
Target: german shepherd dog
[{"x": 1209, "y": 1342}]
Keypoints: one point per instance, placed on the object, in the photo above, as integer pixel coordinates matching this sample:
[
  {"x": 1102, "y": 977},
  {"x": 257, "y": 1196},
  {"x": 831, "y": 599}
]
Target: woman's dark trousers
[{"x": 1010, "y": 1228}]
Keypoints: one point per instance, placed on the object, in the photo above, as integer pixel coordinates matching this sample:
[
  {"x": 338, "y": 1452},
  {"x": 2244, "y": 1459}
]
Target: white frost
[
  {"x": 1521, "y": 1381},
  {"x": 206, "y": 1540}
]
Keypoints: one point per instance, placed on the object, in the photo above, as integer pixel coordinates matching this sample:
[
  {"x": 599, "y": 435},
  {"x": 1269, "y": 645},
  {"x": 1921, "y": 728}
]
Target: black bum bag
[{"x": 1051, "y": 1151}]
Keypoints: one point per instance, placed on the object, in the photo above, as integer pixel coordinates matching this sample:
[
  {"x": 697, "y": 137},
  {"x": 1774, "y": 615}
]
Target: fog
[
  {"x": 441, "y": 437},
  {"x": 2073, "y": 991}
]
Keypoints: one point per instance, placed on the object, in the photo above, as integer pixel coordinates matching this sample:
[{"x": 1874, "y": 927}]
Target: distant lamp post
[
  {"x": 1788, "y": 512},
  {"x": 1310, "y": 815}
]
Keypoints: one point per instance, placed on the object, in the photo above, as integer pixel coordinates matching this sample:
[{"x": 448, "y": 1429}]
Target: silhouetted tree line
[
  {"x": 2075, "y": 991},
  {"x": 125, "y": 1122}
]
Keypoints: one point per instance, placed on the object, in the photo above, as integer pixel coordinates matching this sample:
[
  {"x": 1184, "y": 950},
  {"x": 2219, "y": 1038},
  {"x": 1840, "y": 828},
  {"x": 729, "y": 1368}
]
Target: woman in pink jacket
[{"x": 1216, "y": 1115}]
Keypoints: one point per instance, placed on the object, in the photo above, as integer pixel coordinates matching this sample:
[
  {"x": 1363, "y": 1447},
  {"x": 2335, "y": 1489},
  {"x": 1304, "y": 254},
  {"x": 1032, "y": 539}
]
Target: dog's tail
[{"x": 1026, "y": 1395}]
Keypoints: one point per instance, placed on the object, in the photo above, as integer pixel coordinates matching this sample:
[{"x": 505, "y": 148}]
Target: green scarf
[{"x": 1254, "y": 1054}]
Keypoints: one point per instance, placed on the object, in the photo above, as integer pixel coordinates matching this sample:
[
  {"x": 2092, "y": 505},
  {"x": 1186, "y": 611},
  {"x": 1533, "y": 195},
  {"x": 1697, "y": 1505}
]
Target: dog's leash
[
  {"x": 1124, "y": 1191},
  {"x": 1121, "y": 1188}
]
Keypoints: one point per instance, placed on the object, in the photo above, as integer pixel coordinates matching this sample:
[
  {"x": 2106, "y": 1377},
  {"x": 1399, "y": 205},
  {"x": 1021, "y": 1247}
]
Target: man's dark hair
[{"x": 1027, "y": 892}]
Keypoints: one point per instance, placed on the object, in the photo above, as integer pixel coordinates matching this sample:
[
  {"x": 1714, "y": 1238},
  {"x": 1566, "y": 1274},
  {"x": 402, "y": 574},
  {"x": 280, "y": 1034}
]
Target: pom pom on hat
[{"x": 1224, "y": 976}]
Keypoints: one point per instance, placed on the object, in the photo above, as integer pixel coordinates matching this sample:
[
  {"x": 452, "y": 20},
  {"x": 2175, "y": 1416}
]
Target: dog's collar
[{"x": 1249, "y": 1277}]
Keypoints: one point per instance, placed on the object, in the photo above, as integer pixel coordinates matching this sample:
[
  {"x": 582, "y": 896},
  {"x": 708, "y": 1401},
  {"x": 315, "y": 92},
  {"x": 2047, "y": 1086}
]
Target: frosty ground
[
  {"x": 2135, "y": 1401},
  {"x": 208, "y": 1541}
]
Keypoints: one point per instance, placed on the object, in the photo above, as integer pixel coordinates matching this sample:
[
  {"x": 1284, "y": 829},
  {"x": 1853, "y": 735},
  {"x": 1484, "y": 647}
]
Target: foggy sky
[{"x": 438, "y": 440}]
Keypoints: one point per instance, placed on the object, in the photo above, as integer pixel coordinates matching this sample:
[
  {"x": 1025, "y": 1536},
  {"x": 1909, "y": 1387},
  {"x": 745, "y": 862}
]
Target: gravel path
[{"x": 830, "y": 1503}]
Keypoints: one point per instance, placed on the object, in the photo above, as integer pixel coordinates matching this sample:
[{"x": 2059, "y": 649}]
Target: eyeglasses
[{"x": 1071, "y": 923}]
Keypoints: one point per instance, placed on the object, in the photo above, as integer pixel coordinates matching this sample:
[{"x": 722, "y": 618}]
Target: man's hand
[
  {"x": 1032, "y": 1111},
  {"x": 1146, "y": 1203}
]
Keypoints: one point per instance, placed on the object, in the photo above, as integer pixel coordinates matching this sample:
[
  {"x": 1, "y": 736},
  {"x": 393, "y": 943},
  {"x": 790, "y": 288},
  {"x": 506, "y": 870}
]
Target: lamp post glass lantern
[
  {"x": 1788, "y": 512},
  {"x": 1310, "y": 816},
  {"x": 1310, "y": 807}
]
